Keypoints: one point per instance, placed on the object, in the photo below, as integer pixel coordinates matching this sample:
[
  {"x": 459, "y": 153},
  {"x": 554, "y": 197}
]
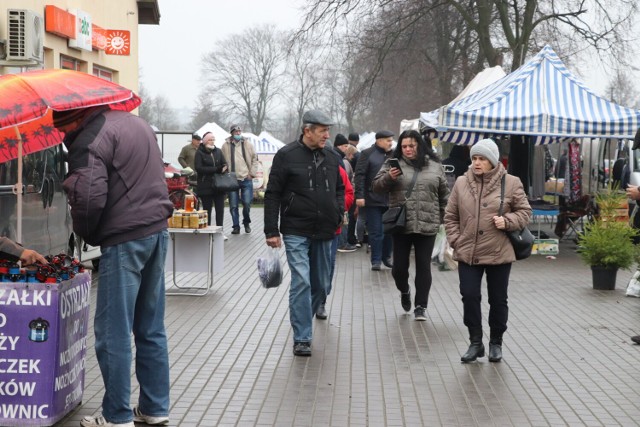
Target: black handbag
[
  {"x": 521, "y": 240},
  {"x": 225, "y": 182},
  {"x": 394, "y": 219}
]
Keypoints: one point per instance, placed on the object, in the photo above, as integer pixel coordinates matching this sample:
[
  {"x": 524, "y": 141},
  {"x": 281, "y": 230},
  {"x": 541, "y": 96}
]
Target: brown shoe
[{"x": 636, "y": 339}]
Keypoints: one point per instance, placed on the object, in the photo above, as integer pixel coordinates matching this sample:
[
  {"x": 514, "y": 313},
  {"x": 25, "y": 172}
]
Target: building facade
[{"x": 96, "y": 37}]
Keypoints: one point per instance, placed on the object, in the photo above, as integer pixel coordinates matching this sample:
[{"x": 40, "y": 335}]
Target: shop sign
[
  {"x": 83, "y": 35},
  {"x": 118, "y": 42},
  {"x": 59, "y": 22},
  {"x": 99, "y": 37}
]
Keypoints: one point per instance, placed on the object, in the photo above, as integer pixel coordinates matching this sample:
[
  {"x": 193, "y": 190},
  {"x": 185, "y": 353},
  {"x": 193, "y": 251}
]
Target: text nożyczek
[{"x": 47, "y": 386}]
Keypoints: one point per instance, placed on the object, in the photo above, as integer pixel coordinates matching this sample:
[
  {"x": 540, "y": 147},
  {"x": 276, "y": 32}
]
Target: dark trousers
[
  {"x": 379, "y": 242},
  {"x": 471, "y": 291},
  {"x": 401, "y": 259},
  {"x": 208, "y": 202},
  {"x": 351, "y": 227}
]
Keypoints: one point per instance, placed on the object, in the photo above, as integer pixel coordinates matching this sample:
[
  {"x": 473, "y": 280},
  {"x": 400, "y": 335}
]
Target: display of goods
[{"x": 59, "y": 268}]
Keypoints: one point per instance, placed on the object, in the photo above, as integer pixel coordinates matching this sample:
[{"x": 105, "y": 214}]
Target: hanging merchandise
[{"x": 574, "y": 190}]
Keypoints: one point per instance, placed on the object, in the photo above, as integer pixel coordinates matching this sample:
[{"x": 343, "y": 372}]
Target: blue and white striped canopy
[
  {"x": 541, "y": 99},
  {"x": 264, "y": 146}
]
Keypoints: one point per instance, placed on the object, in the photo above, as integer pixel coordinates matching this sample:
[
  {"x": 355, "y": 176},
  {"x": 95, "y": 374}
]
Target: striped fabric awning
[
  {"x": 542, "y": 99},
  {"x": 264, "y": 146}
]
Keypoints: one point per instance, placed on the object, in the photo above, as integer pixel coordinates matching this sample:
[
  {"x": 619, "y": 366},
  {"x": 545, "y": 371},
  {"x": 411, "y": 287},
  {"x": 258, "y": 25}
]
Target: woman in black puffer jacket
[{"x": 209, "y": 160}]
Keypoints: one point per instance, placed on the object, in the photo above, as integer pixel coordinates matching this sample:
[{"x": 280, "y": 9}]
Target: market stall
[{"x": 540, "y": 103}]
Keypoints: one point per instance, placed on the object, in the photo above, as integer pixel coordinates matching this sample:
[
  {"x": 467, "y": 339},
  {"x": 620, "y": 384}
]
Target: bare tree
[
  {"x": 157, "y": 111},
  {"x": 244, "y": 72},
  {"x": 145, "y": 109},
  {"x": 165, "y": 116},
  {"x": 204, "y": 112},
  {"x": 304, "y": 66},
  {"x": 622, "y": 90},
  {"x": 502, "y": 27}
]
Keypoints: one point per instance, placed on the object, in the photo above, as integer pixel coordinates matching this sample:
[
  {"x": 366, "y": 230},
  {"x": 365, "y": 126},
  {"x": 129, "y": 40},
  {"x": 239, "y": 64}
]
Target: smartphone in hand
[{"x": 395, "y": 163}]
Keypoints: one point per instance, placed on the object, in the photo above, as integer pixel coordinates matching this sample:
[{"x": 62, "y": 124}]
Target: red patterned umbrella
[
  {"x": 26, "y": 101},
  {"x": 26, "y": 104}
]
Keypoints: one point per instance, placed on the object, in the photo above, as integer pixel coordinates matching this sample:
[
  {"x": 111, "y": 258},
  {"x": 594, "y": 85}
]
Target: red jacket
[{"x": 349, "y": 194}]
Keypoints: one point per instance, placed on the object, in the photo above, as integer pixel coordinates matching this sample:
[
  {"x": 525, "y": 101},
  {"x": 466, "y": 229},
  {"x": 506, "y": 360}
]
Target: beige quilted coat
[{"x": 473, "y": 202}]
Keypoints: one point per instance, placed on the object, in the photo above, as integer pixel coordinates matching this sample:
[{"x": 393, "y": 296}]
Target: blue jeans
[
  {"x": 246, "y": 196},
  {"x": 131, "y": 299},
  {"x": 343, "y": 237},
  {"x": 379, "y": 242},
  {"x": 310, "y": 265}
]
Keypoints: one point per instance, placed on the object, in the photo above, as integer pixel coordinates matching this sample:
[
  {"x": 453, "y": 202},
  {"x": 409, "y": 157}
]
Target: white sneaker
[
  {"x": 99, "y": 421},
  {"x": 225, "y": 237},
  {"x": 139, "y": 417}
]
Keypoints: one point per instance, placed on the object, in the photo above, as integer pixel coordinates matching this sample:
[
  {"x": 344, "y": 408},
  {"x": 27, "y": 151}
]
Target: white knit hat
[{"x": 487, "y": 149}]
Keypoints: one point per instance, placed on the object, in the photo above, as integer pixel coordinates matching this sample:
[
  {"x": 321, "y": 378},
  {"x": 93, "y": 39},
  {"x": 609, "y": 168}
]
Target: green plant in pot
[{"x": 606, "y": 243}]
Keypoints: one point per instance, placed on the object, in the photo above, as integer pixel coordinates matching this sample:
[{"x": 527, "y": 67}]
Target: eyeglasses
[{"x": 412, "y": 146}]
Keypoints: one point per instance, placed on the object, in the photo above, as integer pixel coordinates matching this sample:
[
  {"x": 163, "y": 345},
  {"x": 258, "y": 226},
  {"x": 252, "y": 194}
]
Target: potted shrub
[{"x": 607, "y": 241}]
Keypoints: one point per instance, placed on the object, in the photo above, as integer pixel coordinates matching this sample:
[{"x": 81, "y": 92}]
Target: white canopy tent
[
  {"x": 216, "y": 130},
  {"x": 483, "y": 79}
]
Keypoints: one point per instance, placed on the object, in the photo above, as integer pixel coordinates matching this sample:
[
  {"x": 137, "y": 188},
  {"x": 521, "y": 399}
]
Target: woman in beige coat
[{"x": 477, "y": 235}]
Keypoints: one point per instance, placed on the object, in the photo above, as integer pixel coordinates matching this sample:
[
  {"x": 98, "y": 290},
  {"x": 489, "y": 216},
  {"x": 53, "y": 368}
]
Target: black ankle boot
[
  {"x": 495, "y": 348},
  {"x": 476, "y": 348}
]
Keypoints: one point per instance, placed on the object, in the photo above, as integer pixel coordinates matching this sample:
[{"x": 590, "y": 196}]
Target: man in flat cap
[
  {"x": 374, "y": 205},
  {"x": 305, "y": 192},
  {"x": 187, "y": 157},
  {"x": 243, "y": 160}
]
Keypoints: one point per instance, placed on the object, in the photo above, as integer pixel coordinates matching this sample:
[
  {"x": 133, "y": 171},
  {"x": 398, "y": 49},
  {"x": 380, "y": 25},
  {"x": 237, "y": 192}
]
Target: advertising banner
[{"x": 43, "y": 344}]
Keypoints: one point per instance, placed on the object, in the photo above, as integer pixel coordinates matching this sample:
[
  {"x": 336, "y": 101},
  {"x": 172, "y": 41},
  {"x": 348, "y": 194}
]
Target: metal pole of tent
[{"x": 18, "y": 189}]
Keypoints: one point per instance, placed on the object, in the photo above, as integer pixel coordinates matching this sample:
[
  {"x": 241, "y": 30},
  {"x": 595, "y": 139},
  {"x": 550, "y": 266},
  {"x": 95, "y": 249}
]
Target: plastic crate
[{"x": 180, "y": 183}]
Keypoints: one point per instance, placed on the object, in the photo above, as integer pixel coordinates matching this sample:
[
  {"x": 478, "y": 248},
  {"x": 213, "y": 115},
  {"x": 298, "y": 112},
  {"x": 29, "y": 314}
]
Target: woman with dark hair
[
  {"x": 209, "y": 160},
  {"x": 420, "y": 184}
]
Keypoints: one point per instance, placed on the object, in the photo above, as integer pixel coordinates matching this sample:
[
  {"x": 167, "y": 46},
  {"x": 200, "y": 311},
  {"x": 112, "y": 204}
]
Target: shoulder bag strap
[
  {"x": 501, "y": 195},
  {"x": 232, "y": 147},
  {"x": 244, "y": 156},
  {"x": 413, "y": 182}
]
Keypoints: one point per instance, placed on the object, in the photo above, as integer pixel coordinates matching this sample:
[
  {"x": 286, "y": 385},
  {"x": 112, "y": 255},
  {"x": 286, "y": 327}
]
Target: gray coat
[
  {"x": 426, "y": 204},
  {"x": 8, "y": 246}
]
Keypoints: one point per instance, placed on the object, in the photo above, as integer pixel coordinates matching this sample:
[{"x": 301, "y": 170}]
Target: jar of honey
[{"x": 189, "y": 203}]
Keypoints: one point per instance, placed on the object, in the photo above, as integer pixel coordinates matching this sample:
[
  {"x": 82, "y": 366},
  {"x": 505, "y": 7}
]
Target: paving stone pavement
[{"x": 567, "y": 360}]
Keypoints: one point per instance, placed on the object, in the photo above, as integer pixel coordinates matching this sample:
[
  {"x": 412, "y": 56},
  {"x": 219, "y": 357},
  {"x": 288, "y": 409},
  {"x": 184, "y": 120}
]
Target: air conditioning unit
[{"x": 25, "y": 35}]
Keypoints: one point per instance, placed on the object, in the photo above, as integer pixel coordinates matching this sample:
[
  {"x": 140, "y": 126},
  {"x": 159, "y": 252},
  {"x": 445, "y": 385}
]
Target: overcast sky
[{"x": 170, "y": 53}]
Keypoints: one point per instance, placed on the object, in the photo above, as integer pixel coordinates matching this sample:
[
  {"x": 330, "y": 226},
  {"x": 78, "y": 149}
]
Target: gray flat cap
[
  {"x": 384, "y": 134},
  {"x": 317, "y": 117}
]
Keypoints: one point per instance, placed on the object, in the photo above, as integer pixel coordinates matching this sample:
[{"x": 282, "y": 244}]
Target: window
[
  {"x": 103, "y": 73},
  {"x": 68, "y": 63}
]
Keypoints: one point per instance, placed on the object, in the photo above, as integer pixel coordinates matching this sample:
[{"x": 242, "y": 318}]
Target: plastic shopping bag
[
  {"x": 439, "y": 246},
  {"x": 633, "y": 288},
  {"x": 270, "y": 269},
  {"x": 451, "y": 263}
]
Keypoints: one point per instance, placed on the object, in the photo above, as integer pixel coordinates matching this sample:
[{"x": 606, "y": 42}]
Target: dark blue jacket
[{"x": 369, "y": 163}]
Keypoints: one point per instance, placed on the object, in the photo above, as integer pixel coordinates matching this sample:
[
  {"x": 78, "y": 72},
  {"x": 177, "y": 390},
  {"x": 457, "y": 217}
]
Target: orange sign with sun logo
[{"x": 118, "y": 42}]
